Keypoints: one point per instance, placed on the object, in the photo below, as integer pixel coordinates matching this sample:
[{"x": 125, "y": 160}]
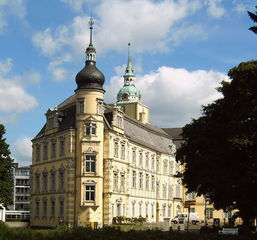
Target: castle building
[{"x": 93, "y": 162}]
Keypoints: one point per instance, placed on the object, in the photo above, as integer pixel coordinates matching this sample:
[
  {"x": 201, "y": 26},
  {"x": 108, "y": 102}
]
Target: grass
[{"x": 109, "y": 233}]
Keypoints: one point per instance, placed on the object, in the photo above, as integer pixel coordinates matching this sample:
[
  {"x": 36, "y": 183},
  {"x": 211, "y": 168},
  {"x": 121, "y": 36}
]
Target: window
[
  {"x": 61, "y": 179},
  {"x": 177, "y": 167},
  {"x": 116, "y": 149},
  {"x": 53, "y": 149},
  {"x": 140, "y": 159},
  {"x": 90, "y": 129},
  {"x": 192, "y": 209},
  {"x": 146, "y": 210},
  {"x": 37, "y": 208},
  {"x": 122, "y": 183},
  {"x": 140, "y": 180},
  {"x": 178, "y": 191},
  {"x": 118, "y": 209},
  {"x": 81, "y": 106},
  {"x": 164, "y": 210},
  {"x": 100, "y": 107},
  {"x": 61, "y": 210},
  {"x": 45, "y": 208},
  {"x": 191, "y": 196},
  {"x": 53, "y": 179},
  {"x": 90, "y": 192},
  {"x": 147, "y": 182},
  {"x": 45, "y": 151},
  {"x": 140, "y": 209},
  {"x": 119, "y": 121},
  {"x": 158, "y": 190},
  {"x": 153, "y": 163},
  {"x": 123, "y": 151},
  {"x": 152, "y": 182},
  {"x": 37, "y": 152},
  {"x": 152, "y": 210},
  {"x": 171, "y": 168},
  {"x": 53, "y": 208},
  {"x": 90, "y": 164},
  {"x": 133, "y": 209},
  {"x": 169, "y": 211},
  {"x": 134, "y": 176},
  {"x": 147, "y": 160},
  {"x": 165, "y": 167},
  {"x": 50, "y": 122},
  {"x": 45, "y": 181},
  {"x": 157, "y": 165},
  {"x": 62, "y": 146},
  {"x": 164, "y": 191},
  {"x": 37, "y": 183},
  {"x": 170, "y": 193},
  {"x": 115, "y": 181},
  {"x": 209, "y": 213},
  {"x": 134, "y": 156}
]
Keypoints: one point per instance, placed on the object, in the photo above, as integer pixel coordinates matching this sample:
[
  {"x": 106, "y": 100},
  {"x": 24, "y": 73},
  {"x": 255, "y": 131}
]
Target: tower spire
[
  {"x": 129, "y": 69},
  {"x": 91, "y": 52},
  {"x": 128, "y": 93},
  {"x": 91, "y": 23}
]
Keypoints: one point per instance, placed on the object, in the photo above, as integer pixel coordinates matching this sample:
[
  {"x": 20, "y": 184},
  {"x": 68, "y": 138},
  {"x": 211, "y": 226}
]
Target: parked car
[{"x": 183, "y": 217}]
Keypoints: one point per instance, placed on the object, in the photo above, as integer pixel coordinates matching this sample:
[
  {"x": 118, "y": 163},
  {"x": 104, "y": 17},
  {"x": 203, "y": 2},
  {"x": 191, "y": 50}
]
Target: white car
[{"x": 183, "y": 217}]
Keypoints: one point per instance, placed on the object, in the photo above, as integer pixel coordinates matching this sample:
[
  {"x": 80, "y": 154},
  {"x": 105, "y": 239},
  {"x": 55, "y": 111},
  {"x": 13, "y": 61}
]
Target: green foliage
[
  {"x": 254, "y": 18},
  {"x": 6, "y": 166},
  {"x": 220, "y": 149},
  {"x": 107, "y": 233}
]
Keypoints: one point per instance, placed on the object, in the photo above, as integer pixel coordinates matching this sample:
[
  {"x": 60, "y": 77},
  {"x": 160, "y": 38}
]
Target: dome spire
[
  {"x": 129, "y": 69},
  {"x": 91, "y": 23},
  {"x": 90, "y": 77},
  {"x": 91, "y": 52},
  {"x": 128, "y": 93}
]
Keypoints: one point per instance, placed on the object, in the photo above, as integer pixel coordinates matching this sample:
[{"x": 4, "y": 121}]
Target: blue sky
[{"x": 181, "y": 50}]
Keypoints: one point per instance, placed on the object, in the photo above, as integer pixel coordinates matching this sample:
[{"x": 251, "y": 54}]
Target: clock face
[{"x": 125, "y": 96}]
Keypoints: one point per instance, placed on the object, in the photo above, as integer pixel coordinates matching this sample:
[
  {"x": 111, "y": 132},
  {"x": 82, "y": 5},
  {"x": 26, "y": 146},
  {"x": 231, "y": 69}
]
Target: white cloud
[
  {"x": 13, "y": 96},
  {"x": 11, "y": 8},
  {"x": 240, "y": 8},
  {"x": 149, "y": 26},
  {"x": 33, "y": 77},
  {"x": 174, "y": 95},
  {"x": 46, "y": 42},
  {"x": 5, "y": 66},
  {"x": 22, "y": 150},
  {"x": 214, "y": 9},
  {"x": 59, "y": 73},
  {"x": 75, "y": 4}
]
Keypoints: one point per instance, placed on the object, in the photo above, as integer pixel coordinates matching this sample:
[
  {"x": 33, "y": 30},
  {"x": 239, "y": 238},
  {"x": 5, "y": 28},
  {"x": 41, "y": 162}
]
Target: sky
[{"x": 181, "y": 51}]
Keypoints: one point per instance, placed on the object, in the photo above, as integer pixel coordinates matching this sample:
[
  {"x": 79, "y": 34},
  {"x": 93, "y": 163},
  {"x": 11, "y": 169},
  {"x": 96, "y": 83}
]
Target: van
[{"x": 183, "y": 217}]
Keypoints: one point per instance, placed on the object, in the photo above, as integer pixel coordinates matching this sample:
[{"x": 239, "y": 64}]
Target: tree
[
  {"x": 6, "y": 173},
  {"x": 254, "y": 18},
  {"x": 220, "y": 148}
]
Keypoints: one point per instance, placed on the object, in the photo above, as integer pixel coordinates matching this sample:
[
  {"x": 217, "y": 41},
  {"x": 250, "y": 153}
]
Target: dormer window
[{"x": 52, "y": 119}]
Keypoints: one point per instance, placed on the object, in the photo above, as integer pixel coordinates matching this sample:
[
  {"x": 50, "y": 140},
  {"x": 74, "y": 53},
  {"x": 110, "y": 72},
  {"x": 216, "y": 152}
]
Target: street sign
[{"x": 188, "y": 204}]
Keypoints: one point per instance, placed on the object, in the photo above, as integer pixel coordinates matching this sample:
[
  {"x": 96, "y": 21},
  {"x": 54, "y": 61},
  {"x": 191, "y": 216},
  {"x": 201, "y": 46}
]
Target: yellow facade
[
  {"x": 94, "y": 162},
  {"x": 132, "y": 178}
]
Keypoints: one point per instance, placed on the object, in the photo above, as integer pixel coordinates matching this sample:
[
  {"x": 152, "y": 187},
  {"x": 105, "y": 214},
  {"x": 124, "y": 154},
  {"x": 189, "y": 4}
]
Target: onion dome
[
  {"x": 90, "y": 77},
  {"x": 128, "y": 93}
]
